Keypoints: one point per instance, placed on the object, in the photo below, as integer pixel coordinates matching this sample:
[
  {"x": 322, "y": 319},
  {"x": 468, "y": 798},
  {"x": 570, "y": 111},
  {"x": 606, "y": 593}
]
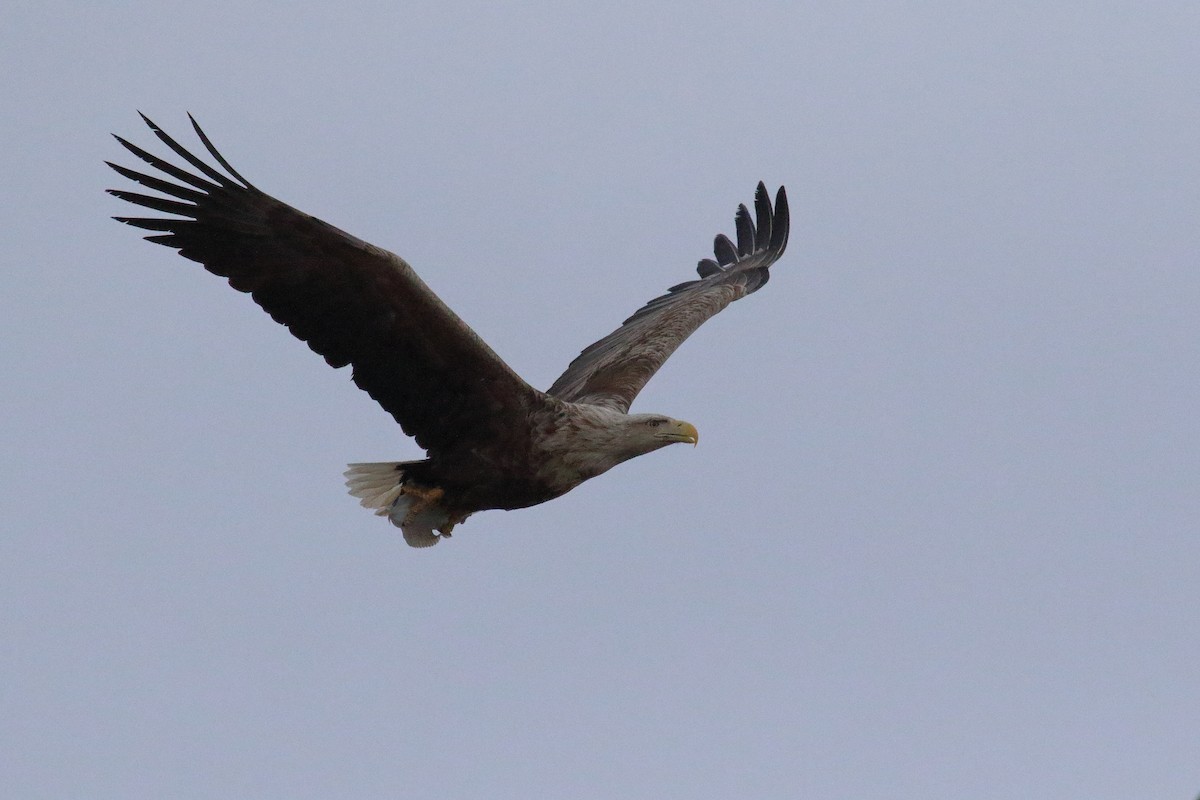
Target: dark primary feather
[
  {"x": 352, "y": 302},
  {"x": 613, "y": 370}
]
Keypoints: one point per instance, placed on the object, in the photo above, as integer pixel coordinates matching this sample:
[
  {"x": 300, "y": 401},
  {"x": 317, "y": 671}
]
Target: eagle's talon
[{"x": 454, "y": 519}]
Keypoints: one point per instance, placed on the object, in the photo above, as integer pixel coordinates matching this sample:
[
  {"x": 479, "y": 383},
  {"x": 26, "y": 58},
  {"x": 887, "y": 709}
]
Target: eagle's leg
[{"x": 425, "y": 499}]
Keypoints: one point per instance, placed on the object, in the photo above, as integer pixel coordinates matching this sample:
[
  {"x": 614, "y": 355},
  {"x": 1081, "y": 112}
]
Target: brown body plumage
[{"x": 491, "y": 439}]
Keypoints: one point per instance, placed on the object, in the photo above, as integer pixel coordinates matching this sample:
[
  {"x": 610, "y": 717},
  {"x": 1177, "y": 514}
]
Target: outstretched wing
[
  {"x": 352, "y": 302},
  {"x": 613, "y": 370}
]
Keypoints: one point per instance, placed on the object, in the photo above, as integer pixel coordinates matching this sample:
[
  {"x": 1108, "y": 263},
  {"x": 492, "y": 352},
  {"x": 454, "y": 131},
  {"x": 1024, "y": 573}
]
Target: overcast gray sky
[{"x": 939, "y": 539}]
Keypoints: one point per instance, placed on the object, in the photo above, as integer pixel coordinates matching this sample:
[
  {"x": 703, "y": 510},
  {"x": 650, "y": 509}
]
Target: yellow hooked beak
[{"x": 685, "y": 432}]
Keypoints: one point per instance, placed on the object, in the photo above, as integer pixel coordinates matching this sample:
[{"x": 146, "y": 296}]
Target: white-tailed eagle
[{"x": 491, "y": 439}]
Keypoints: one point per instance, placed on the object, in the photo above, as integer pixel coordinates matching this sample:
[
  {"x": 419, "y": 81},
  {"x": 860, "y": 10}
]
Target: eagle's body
[
  {"x": 571, "y": 443},
  {"x": 492, "y": 441}
]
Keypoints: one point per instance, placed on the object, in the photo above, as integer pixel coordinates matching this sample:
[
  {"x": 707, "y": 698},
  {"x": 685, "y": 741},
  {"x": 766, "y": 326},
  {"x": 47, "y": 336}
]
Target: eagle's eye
[{"x": 654, "y": 423}]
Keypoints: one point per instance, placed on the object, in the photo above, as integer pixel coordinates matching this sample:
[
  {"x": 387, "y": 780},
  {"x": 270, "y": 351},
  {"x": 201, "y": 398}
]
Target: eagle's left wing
[
  {"x": 352, "y": 302},
  {"x": 613, "y": 370}
]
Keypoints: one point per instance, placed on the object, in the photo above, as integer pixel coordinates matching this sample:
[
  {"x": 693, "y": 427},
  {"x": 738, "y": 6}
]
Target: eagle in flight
[{"x": 491, "y": 440}]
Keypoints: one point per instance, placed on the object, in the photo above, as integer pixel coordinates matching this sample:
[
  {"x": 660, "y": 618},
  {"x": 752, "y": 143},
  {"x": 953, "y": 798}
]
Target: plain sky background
[{"x": 941, "y": 536}]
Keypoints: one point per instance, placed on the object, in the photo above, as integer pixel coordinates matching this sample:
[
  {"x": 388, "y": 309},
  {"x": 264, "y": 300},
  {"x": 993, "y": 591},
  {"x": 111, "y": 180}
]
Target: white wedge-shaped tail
[{"x": 376, "y": 485}]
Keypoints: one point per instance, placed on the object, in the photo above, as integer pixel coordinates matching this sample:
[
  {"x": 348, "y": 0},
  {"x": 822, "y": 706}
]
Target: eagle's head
[
  {"x": 652, "y": 431},
  {"x": 596, "y": 439},
  {"x": 630, "y": 435}
]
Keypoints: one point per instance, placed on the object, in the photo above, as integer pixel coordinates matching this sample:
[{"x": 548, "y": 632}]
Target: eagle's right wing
[{"x": 613, "y": 370}]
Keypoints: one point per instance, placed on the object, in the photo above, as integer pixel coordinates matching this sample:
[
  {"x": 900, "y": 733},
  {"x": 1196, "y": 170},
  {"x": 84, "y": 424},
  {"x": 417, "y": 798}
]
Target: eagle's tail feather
[{"x": 376, "y": 485}]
